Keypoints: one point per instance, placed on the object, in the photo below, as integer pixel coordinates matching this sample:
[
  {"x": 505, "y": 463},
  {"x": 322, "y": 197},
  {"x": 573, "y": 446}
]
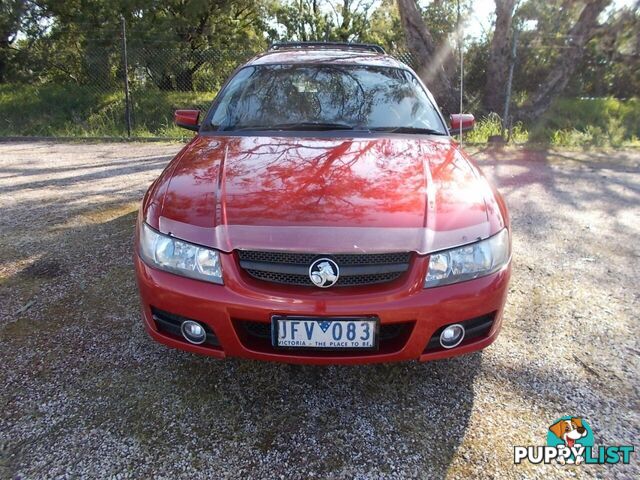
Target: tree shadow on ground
[{"x": 285, "y": 419}]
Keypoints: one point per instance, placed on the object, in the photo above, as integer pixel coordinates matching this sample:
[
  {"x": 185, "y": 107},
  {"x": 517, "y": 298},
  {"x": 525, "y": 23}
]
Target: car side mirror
[
  {"x": 464, "y": 120},
  {"x": 187, "y": 119}
]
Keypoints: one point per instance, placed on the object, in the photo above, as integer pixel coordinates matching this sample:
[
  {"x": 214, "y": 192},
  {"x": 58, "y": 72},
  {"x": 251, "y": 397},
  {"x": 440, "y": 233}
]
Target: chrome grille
[
  {"x": 342, "y": 259},
  {"x": 290, "y": 268}
]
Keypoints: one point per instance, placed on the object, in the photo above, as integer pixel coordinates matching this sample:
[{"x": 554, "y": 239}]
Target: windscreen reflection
[{"x": 325, "y": 97}]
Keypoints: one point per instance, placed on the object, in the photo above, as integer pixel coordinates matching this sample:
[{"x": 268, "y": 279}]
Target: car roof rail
[{"x": 370, "y": 47}]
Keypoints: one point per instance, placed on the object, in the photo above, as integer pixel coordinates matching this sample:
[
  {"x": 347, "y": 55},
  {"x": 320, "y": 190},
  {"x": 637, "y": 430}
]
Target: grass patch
[
  {"x": 491, "y": 125},
  {"x": 571, "y": 122},
  {"x": 83, "y": 111},
  {"x": 598, "y": 122}
]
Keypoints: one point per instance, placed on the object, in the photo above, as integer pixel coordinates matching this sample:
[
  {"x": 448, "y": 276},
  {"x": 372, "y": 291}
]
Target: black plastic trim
[
  {"x": 170, "y": 323},
  {"x": 370, "y": 47},
  {"x": 474, "y": 328}
]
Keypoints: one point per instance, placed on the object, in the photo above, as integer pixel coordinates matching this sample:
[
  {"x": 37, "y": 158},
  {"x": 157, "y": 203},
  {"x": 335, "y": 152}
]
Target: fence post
[{"x": 127, "y": 106}]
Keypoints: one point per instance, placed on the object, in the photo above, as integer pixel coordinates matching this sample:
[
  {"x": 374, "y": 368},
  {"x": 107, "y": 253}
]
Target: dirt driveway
[{"x": 85, "y": 393}]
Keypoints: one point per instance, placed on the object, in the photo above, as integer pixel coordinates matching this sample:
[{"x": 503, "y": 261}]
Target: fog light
[
  {"x": 452, "y": 336},
  {"x": 193, "y": 332}
]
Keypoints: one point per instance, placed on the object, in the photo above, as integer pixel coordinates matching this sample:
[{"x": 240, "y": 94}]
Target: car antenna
[{"x": 460, "y": 47}]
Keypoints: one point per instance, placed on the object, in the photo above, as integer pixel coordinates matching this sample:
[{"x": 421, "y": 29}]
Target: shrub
[
  {"x": 492, "y": 125},
  {"x": 596, "y": 122},
  {"x": 83, "y": 111}
]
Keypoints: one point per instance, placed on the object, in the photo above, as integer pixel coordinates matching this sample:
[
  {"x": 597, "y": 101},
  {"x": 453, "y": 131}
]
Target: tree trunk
[
  {"x": 165, "y": 84},
  {"x": 3, "y": 62},
  {"x": 343, "y": 33},
  {"x": 429, "y": 58},
  {"x": 184, "y": 80},
  {"x": 566, "y": 63},
  {"x": 498, "y": 65}
]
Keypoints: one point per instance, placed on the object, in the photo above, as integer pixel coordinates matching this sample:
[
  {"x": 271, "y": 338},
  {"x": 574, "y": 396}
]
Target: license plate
[{"x": 325, "y": 333}]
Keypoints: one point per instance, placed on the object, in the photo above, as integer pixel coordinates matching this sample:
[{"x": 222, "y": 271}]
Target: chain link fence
[
  {"x": 83, "y": 93},
  {"x": 62, "y": 94}
]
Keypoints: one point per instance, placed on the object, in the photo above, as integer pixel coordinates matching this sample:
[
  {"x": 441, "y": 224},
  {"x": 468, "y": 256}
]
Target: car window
[{"x": 346, "y": 96}]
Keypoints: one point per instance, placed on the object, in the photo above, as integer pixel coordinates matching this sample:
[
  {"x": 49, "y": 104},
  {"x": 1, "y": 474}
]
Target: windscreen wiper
[
  {"x": 314, "y": 126},
  {"x": 293, "y": 126},
  {"x": 416, "y": 130}
]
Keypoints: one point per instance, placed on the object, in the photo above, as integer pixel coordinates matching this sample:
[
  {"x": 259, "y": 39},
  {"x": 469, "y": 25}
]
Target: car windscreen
[{"x": 325, "y": 97}]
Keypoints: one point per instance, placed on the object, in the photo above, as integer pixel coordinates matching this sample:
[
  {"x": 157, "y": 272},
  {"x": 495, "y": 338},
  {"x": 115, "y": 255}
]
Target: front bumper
[{"x": 402, "y": 306}]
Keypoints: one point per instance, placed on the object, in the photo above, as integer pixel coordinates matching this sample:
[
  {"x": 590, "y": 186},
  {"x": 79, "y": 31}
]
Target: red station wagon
[{"x": 323, "y": 214}]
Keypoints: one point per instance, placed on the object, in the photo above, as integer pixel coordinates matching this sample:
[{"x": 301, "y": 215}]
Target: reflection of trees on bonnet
[
  {"x": 321, "y": 183},
  {"x": 377, "y": 182},
  {"x": 358, "y": 96}
]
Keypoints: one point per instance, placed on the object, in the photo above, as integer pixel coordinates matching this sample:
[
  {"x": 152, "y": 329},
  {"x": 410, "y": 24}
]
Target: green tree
[
  {"x": 562, "y": 61},
  {"x": 612, "y": 61},
  {"x": 16, "y": 17},
  {"x": 189, "y": 31},
  {"x": 321, "y": 20},
  {"x": 172, "y": 40},
  {"x": 385, "y": 27}
]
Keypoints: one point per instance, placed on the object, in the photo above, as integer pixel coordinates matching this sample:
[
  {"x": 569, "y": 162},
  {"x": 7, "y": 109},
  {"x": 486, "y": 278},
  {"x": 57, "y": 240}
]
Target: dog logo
[
  {"x": 570, "y": 431},
  {"x": 570, "y": 441},
  {"x": 324, "y": 272}
]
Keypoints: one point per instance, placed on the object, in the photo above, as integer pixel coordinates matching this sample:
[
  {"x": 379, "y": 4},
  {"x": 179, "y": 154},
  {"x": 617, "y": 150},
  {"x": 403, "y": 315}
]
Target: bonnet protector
[{"x": 322, "y": 239}]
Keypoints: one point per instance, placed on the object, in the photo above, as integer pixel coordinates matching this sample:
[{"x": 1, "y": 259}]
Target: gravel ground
[{"x": 85, "y": 393}]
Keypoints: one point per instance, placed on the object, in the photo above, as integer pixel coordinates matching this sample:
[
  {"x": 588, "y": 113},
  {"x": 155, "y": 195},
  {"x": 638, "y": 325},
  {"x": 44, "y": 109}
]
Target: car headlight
[
  {"x": 468, "y": 262},
  {"x": 179, "y": 257}
]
